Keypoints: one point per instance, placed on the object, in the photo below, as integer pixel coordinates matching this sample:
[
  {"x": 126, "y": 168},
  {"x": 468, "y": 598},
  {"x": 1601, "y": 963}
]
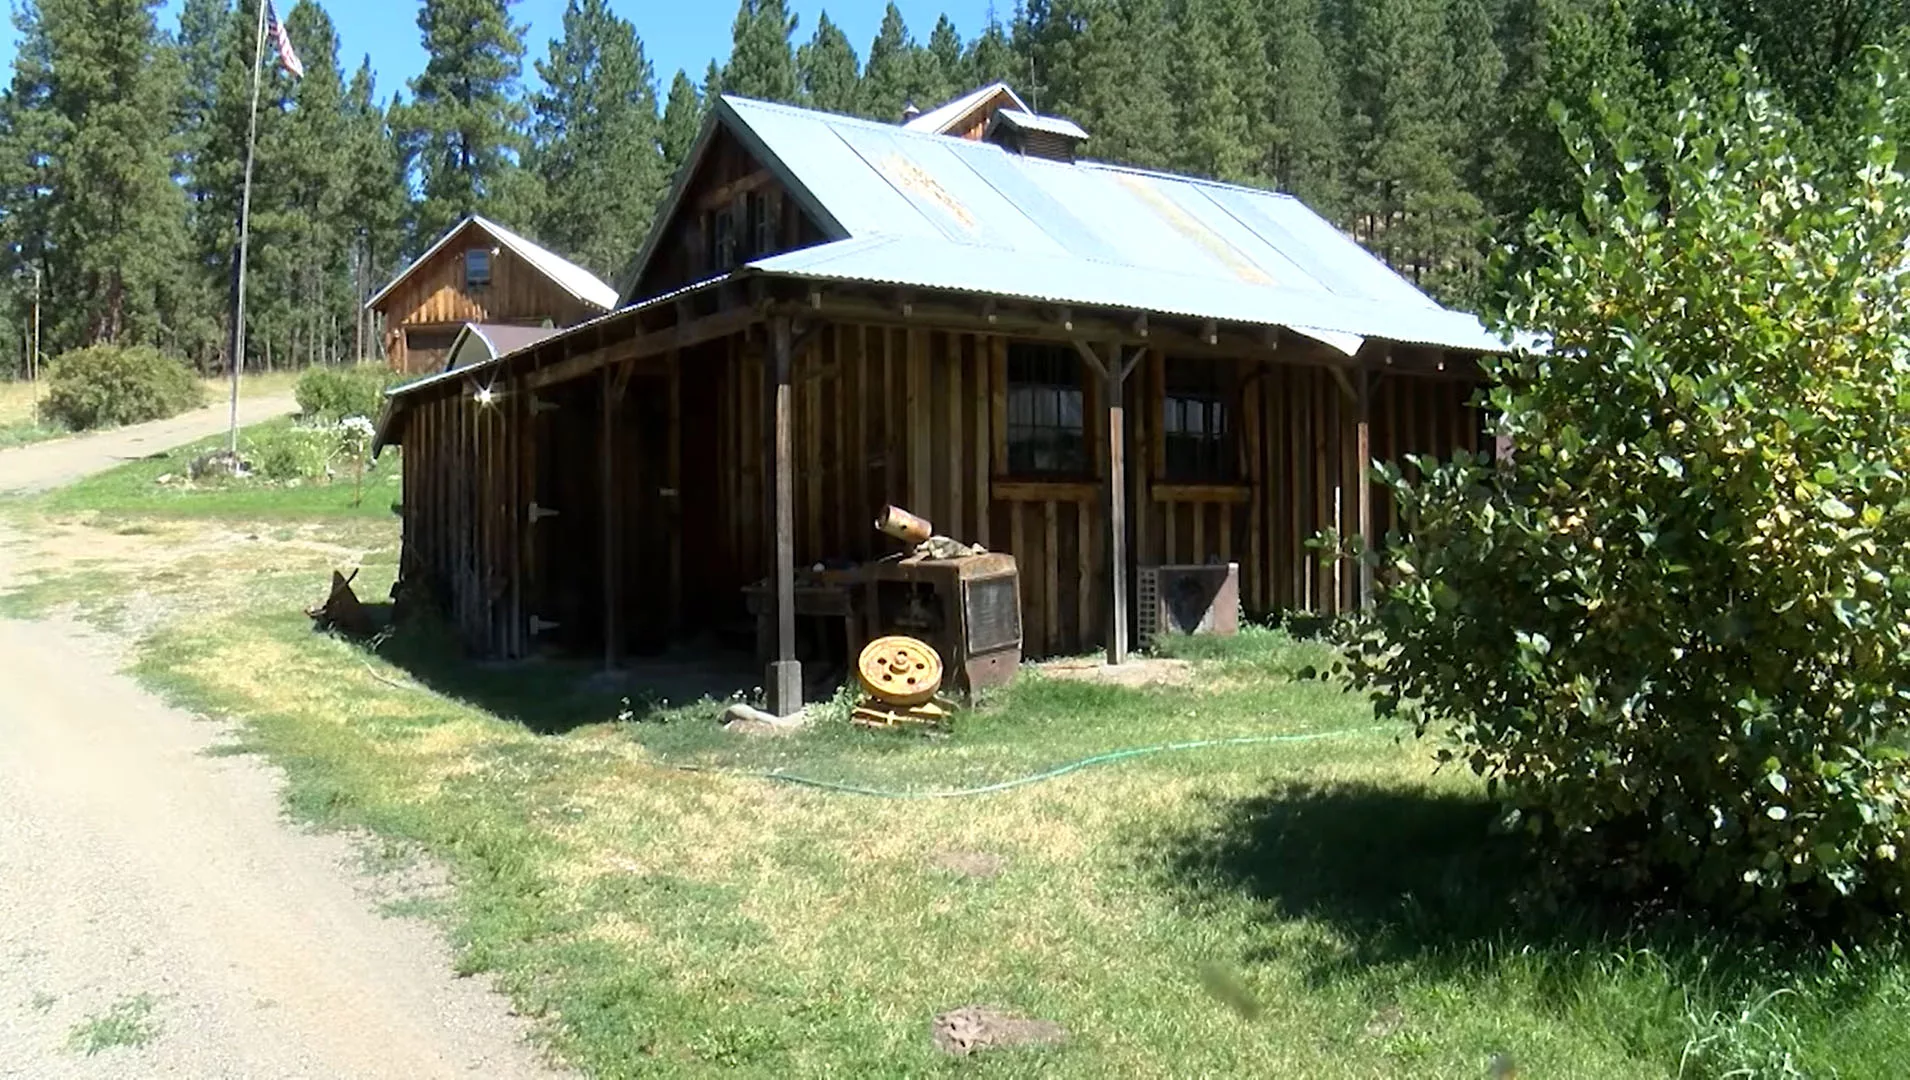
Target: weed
[{"x": 127, "y": 1023}]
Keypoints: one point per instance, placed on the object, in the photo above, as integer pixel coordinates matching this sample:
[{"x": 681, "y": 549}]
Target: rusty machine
[{"x": 963, "y": 603}]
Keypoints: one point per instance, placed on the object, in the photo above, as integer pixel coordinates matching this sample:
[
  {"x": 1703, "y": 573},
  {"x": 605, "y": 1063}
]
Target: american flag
[{"x": 282, "y": 42}]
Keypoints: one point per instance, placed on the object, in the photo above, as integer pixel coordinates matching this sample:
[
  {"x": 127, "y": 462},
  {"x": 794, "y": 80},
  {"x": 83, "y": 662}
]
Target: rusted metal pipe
[{"x": 904, "y": 526}]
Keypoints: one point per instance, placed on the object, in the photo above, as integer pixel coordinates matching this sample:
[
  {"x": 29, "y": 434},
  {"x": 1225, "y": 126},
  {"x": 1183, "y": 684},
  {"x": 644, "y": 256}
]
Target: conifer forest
[{"x": 1428, "y": 129}]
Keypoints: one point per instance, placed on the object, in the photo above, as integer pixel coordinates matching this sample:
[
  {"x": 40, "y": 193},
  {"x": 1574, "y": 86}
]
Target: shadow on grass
[
  {"x": 556, "y": 695},
  {"x": 1402, "y": 873}
]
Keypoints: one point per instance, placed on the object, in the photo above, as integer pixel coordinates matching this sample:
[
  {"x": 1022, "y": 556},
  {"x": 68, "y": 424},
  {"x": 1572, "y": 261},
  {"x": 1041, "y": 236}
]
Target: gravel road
[
  {"x": 40, "y": 466},
  {"x": 155, "y": 908}
]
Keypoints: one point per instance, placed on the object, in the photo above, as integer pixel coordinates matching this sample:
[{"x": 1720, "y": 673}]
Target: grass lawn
[
  {"x": 1323, "y": 908},
  {"x": 19, "y": 424}
]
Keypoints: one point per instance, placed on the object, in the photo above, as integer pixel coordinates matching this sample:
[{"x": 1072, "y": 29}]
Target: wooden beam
[
  {"x": 1363, "y": 446},
  {"x": 785, "y": 676},
  {"x": 723, "y": 195},
  {"x": 1114, "y": 502},
  {"x": 1346, "y": 384},
  {"x": 1094, "y": 361},
  {"x": 613, "y": 383},
  {"x": 644, "y": 346}
]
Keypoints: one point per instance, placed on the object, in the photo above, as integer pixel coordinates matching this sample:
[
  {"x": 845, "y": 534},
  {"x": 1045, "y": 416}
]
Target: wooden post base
[{"x": 782, "y": 685}]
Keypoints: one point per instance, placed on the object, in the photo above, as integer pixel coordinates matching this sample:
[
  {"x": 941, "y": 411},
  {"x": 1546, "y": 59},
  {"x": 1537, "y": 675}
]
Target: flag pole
[{"x": 245, "y": 230}]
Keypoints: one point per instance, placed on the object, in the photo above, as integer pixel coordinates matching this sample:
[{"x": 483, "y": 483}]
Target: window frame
[
  {"x": 490, "y": 267},
  {"x": 1210, "y": 389},
  {"x": 1040, "y": 396}
]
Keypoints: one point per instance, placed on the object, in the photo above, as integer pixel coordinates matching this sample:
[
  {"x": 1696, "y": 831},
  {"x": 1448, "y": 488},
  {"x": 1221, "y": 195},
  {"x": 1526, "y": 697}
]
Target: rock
[
  {"x": 164, "y": 478},
  {"x": 218, "y": 463},
  {"x": 961, "y": 1032},
  {"x": 749, "y": 720}
]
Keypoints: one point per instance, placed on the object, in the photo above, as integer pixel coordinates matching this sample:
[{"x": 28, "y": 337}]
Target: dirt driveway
[
  {"x": 40, "y": 466},
  {"x": 157, "y": 916}
]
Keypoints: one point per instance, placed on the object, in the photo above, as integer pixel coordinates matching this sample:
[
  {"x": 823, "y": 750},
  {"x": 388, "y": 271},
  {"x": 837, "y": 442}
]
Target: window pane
[{"x": 1071, "y": 409}]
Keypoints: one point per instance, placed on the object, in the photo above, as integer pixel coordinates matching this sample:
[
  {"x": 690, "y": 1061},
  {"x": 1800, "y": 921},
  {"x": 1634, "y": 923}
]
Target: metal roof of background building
[
  {"x": 935, "y": 212},
  {"x": 941, "y": 119}
]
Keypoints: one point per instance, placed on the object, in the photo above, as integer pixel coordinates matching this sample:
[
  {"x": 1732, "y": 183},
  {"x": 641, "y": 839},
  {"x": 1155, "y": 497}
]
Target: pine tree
[
  {"x": 31, "y": 133},
  {"x": 1304, "y": 125},
  {"x": 682, "y": 120},
  {"x": 379, "y": 202},
  {"x": 596, "y": 139},
  {"x": 464, "y": 124},
  {"x": 1219, "y": 78},
  {"x": 888, "y": 79},
  {"x": 201, "y": 324},
  {"x": 990, "y": 58},
  {"x": 1127, "y": 95},
  {"x": 116, "y": 219},
  {"x": 762, "y": 62},
  {"x": 1408, "y": 200},
  {"x": 828, "y": 70},
  {"x": 938, "y": 70},
  {"x": 305, "y": 277}
]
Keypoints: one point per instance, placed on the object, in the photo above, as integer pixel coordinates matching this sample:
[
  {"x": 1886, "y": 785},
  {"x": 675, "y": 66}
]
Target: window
[
  {"x": 763, "y": 213},
  {"x": 1045, "y": 432},
  {"x": 1197, "y": 424},
  {"x": 477, "y": 268},
  {"x": 723, "y": 241}
]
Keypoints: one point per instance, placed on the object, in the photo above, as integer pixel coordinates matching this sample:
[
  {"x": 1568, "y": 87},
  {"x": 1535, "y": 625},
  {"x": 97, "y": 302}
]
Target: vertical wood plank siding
[{"x": 918, "y": 417}]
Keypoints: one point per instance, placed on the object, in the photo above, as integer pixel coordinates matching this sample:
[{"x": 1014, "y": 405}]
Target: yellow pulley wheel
[{"x": 900, "y": 670}]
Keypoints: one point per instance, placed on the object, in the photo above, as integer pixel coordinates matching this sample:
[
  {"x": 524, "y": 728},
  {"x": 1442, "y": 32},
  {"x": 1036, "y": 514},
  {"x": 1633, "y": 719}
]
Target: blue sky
[{"x": 676, "y": 33}]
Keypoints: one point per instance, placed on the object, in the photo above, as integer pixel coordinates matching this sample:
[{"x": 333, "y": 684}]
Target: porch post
[
  {"x": 1113, "y": 374},
  {"x": 612, "y": 531},
  {"x": 1114, "y": 504},
  {"x": 784, "y": 679},
  {"x": 1364, "y": 493}
]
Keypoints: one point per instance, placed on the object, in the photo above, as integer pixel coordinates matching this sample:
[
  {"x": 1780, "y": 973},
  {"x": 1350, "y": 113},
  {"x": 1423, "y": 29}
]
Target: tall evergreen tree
[
  {"x": 762, "y": 62},
  {"x": 596, "y": 139},
  {"x": 990, "y": 57},
  {"x": 888, "y": 79},
  {"x": 828, "y": 70},
  {"x": 379, "y": 202},
  {"x": 31, "y": 133},
  {"x": 464, "y": 123},
  {"x": 116, "y": 219},
  {"x": 1220, "y": 79},
  {"x": 938, "y": 70},
  {"x": 682, "y": 119},
  {"x": 1304, "y": 124}
]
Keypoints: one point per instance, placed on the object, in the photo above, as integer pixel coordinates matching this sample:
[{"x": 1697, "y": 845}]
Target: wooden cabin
[
  {"x": 1095, "y": 369},
  {"x": 480, "y": 273}
]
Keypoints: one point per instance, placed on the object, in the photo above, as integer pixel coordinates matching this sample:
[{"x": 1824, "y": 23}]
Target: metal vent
[{"x": 1193, "y": 599}]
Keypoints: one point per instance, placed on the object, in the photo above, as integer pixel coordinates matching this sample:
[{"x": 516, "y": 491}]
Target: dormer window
[{"x": 477, "y": 268}]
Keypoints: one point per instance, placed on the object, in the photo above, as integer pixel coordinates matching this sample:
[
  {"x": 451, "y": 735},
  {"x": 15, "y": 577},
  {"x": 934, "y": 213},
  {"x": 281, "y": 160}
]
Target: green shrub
[
  {"x": 331, "y": 394},
  {"x": 106, "y": 385},
  {"x": 294, "y": 452},
  {"x": 1674, "y": 630}
]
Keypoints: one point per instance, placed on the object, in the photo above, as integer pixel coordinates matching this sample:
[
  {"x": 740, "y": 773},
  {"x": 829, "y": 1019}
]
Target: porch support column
[
  {"x": 1113, "y": 374},
  {"x": 784, "y": 678},
  {"x": 1363, "y": 446},
  {"x": 612, "y": 525}
]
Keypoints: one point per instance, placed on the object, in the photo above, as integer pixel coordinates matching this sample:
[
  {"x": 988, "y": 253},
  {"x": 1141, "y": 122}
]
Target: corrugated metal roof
[
  {"x": 941, "y": 119},
  {"x": 1053, "y": 125},
  {"x": 493, "y": 340},
  {"x": 934, "y": 212},
  {"x": 568, "y": 276}
]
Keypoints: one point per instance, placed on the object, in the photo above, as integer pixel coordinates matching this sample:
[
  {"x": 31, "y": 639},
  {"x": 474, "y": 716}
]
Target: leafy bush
[
  {"x": 106, "y": 385},
  {"x": 331, "y": 394},
  {"x": 1674, "y": 629},
  {"x": 293, "y": 452}
]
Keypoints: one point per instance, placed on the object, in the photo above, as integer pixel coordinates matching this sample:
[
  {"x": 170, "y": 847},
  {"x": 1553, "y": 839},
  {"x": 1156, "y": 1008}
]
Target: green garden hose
[{"x": 1005, "y": 785}]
